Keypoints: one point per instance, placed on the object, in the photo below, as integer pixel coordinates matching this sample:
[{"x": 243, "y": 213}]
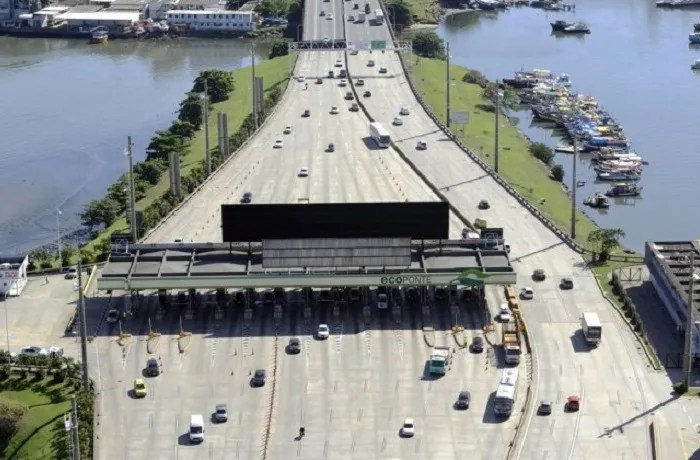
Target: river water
[
  {"x": 66, "y": 109},
  {"x": 636, "y": 62}
]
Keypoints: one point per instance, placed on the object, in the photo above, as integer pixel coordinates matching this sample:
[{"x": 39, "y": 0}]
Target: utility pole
[
  {"x": 58, "y": 234},
  {"x": 255, "y": 102},
  {"x": 207, "y": 152},
  {"x": 132, "y": 198},
  {"x": 83, "y": 326},
  {"x": 495, "y": 130},
  {"x": 689, "y": 323},
  {"x": 573, "y": 191},
  {"x": 7, "y": 323},
  {"x": 75, "y": 431},
  {"x": 447, "y": 104}
]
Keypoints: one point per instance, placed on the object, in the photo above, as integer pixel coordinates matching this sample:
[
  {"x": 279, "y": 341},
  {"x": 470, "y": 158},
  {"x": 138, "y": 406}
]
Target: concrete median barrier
[
  {"x": 152, "y": 342},
  {"x": 184, "y": 341},
  {"x": 429, "y": 336}
]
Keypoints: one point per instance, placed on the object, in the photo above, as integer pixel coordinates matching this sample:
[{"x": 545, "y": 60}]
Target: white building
[
  {"x": 213, "y": 20},
  {"x": 105, "y": 18},
  {"x": 13, "y": 275},
  {"x": 199, "y": 5}
]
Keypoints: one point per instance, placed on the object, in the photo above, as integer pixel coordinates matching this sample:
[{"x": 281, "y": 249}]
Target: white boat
[
  {"x": 695, "y": 65},
  {"x": 619, "y": 176},
  {"x": 577, "y": 28},
  {"x": 694, "y": 38}
]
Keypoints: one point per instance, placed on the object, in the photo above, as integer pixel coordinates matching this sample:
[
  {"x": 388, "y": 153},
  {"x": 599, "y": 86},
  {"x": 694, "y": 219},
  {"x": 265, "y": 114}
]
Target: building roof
[
  {"x": 86, "y": 8},
  {"x": 14, "y": 262},
  {"x": 182, "y": 3},
  {"x": 101, "y": 16},
  {"x": 201, "y": 12},
  {"x": 674, "y": 259}
]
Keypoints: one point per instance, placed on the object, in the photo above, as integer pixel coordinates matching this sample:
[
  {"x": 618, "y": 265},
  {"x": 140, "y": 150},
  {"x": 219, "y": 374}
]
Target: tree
[
  {"x": 279, "y": 48},
  {"x": 475, "y": 77},
  {"x": 427, "y": 43},
  {"x": 150, "y": 170},
  {"x": 163, "y": 143},
  {"x": 558, "y": 173},
  {"x": 541, "y": 152},
  {"x": 183, "y": 129},
  {"x": 219, "y": 82},
  {"x": 100, "y": 212},
  {"x": 606, "y": 239},
  {"x": 399, "y": 13},
  {"x": 276, "y": 8},
  {"x": 67, "y": 255},
  {"x": 191, "y": 109}
]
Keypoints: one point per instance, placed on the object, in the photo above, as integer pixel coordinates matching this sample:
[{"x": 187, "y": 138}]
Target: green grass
[
  {"x": 46, "y": 404},
  {"x": 424, "y": 9},
  {"x": 527, "y": 175},
  {"x": 237, "y": 106}
]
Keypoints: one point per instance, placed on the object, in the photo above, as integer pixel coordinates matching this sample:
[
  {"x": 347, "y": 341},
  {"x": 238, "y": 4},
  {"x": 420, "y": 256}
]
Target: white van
[{"x": 196, "y": 428}]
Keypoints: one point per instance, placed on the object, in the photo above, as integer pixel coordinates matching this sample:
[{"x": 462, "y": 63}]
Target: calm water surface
[
  {"x": 636, "y": 62},
  {"x": 66, "y": 109}
]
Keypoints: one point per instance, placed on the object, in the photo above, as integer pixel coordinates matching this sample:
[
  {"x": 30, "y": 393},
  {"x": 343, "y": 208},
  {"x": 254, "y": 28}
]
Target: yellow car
[{"x": 140, "y": 388}]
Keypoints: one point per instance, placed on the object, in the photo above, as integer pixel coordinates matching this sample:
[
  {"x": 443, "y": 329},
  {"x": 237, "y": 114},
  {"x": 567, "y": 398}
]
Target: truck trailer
[
  {"x": 439, "y": 360},
  {"x": 592, "y": 328},
  {"x": 510, "y": 340}
]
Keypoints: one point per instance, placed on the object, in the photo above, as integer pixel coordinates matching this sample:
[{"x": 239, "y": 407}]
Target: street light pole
[
  {"x": 573, "y": 190},
  {"x": 689, "y": 323},
  {"x": 447, "y": 93},
  {"x": 495, "y": 132},
  {"x": 205, "y": 115},
  {"x": 132, "y": 198},
  {"x": 255, "y": 102},
  {"x": 58, "y": 236},
  {"x": 7, "y": 322}
]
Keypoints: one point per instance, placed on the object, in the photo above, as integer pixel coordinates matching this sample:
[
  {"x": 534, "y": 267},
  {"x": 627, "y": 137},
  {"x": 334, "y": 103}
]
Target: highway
[{"x": 617, "y": 388}]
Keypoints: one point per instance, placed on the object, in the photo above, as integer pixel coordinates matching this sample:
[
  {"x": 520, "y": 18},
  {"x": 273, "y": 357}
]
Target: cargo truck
[
  {"x": 591, "y": 327},
  {"x": 439, "y": 360},
  {"x": 510, "y": 340}
]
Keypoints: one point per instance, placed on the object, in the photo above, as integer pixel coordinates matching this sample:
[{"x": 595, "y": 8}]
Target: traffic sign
[{"x": 378, "y": 44}]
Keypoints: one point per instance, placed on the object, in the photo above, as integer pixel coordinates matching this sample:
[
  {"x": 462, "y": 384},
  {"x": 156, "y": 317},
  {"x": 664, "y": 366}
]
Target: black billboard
[{"x": 256, "y": 222}]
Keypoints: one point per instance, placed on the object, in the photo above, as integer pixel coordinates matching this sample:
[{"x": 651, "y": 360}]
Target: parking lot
[
  {"x": 351, "y": 392},
  {"x": 38, "y": 317}
]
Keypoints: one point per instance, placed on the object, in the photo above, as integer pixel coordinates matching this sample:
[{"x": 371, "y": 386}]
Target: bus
[
  {"x": 378, "y": 17},
  {"x": 506, "y": 392},
  {"x": 380, "y": 135}
]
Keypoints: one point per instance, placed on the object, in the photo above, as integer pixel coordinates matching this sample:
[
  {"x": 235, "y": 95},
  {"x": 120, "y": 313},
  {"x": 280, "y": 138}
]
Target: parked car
[
  {"x": 258, "y": 379},
  {"x": 566, "y": 283},
  {"x": 408, "y": 429},
  {"x": 71, "y": 273},
  {"x": 294, "y": 346},
  {"x": 220, "y": 413},
  {"x": 527, "y": 293},
  {"x": 152, "y": 368},
  {"x": 463, "y": 400},
  {"x": 33, "y": 351},
  {"x": 323, "y": 331}
]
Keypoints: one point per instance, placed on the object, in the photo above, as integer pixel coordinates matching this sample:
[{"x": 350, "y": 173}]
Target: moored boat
[
  {"x": 624, "y": 189},
  {"x": 694, "y": 38},
  {"x": 695, "y": 65},
  {"x": 99, "y": 35},
  {"x": 559, "y": 25},
  {"x": 597, "y": 201},
  {"x": 619, "y": 176},
  {"x": 577, "y": 28}
]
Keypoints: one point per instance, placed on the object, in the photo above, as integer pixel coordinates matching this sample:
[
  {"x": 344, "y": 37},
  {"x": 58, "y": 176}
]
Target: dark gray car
[
  {"x": 221, "y": 413},
  {"x": 477, "y": 345},
  {"x": 152, "y": 368},
  {"x": 258, "y": 378},
  {"x": 463, "y": 400},
  {"x": 294, "y": 346}
]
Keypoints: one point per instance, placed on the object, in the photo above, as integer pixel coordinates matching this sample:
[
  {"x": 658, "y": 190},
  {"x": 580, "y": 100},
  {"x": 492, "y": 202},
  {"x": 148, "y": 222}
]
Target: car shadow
[
  {"x": 184, "y": 440},
  {"x": 427, "y": 376},
  {"x": 578, "y": 341},
  {"x": 489, "y": 416},
  {"x": 369, "y": 143}
]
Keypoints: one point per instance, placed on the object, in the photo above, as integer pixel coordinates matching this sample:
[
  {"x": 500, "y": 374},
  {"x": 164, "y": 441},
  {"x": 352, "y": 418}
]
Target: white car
[
  {"x": 55, "y": 352},
  {"x": 404, "y": 111},
  {"x": 288, "y": 129},
  {"x": 397, "y": 121},
  {"x": 421, "y": 145},
  {"x": 338, "y": 63},
  {"x": 278, "y": 144},
  {"x": 33, "y": 351},
  {"x": 330, "y": 16},
  {"x": 408, "y": 429},
  {"x": 334, "y": 110},
  {"x": 72, "y": 273},
  {"x": 112, "y": 316},
  {"x": 504, "y": 313},
  {"x": 326, "y": 39},
  {"x": 303, "y": 172},
  {"x": 527, "y": 293},
  {"x": 323, "y": 331},
  {"x": 343, "y": 82},
  {"x": 301, "y": 78}
]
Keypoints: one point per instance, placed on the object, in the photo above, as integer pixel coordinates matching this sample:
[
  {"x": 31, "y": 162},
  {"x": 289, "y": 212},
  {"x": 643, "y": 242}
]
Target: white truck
[
  {"x": 360, "y": 17},
  {"x": 439, "y": 360},
  {"x": 591, "y": 327}
]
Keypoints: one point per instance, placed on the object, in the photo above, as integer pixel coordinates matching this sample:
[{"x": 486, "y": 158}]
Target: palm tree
[{"x": 606, "y": 239}]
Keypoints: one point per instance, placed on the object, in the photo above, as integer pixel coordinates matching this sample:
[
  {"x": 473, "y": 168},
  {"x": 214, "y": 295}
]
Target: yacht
[
  {"x": 695, "y": 65},
  {"x": 619, "y": 176},
  {"x": 577, "y": 28},
  {"x": 559, "y": 25},
  {"x": 624, "y": 189}
]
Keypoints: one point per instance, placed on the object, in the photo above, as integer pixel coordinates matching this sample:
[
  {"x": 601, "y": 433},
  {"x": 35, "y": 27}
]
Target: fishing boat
[
  {"x": 577, "y": 28},
  {"x": 597, "y": 201},
  {"x": 624, "y": 189},
  {"x": 99, "y": 35},
  {"x": 695, "y": 65},
  {"x": 559, "y": 25},
  {"x": 619, "y": 176},
  {"x": 694, "y": 38}
]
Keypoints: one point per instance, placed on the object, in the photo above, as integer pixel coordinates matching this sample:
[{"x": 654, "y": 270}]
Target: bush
[
  {"x": 4, "y": 372},
  {"x": 679, "y": 388},
  {"x": 279, "y": 48},
  {"x": 541, "y": 152},
  {"x": 10, "y": 415},
  {"x": 558, "y": 173},
  {"x": 475, "y": 78},
  {"x": 427, "y": 43},
  {"x": 39, "y": 375},
  {"x": 46, "y": 264}
]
